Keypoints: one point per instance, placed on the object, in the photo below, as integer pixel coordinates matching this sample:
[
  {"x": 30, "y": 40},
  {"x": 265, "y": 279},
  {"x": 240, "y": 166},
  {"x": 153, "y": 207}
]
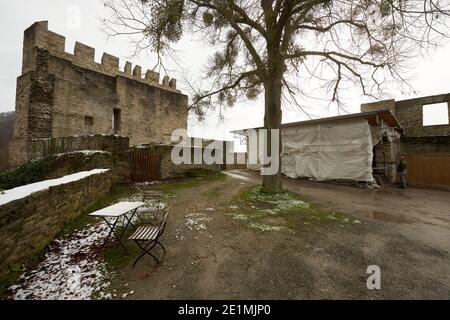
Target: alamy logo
[
  {"x": 73, "y": 17},
  {"x": 374, "y": 280},
  {"x": 191, "y": 150}
]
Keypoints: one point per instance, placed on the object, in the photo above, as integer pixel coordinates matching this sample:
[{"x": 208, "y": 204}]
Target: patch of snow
[
  {"x": 70, "y": 270},
  {"x": 147, "y": 183},
  {"x": 237, "y": 176},
  {"x": 265, "y": 227},
  {"x": 196, "y": 221},
  {"x": 240, "y": 216},
  {"x": 84, "y": 152},
  {"x": 25, "y": 191}
]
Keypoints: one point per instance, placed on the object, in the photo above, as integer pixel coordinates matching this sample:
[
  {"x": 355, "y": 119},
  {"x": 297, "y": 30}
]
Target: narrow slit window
[
  {"x": 88, "y": 124},
  {"x": 435, "y": 114},
  {"x": 116, "y": 120}
]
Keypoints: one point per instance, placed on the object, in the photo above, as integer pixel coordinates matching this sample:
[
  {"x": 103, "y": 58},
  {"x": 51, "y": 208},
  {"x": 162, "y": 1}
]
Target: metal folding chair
[
  {"x": 147, "y": 214},
  {"x": 147, "y": 237}
]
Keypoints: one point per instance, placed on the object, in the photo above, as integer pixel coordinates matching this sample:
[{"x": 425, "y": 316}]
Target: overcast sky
[{"x": 430, "y": 74}]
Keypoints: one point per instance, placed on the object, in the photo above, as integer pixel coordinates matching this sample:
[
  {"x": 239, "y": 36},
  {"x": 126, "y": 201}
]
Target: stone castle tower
[{"x": 62, "y": 94}]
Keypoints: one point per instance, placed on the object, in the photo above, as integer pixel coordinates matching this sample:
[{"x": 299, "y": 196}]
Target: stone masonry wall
[
  {"x": 170, "y": 170},
  {"x": 425, "y": 145},
  {"x": 48, "y": 146},
  {"x": 62, "y": 94},
  {"x": 27, "y": 225},
  {"x": 417, "y": 138}
]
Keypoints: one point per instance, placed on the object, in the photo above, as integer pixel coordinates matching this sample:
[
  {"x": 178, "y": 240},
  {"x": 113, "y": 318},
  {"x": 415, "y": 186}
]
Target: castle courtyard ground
[
  {"x": 226, "y": 241},
  {"x": 224, "y": 255}
]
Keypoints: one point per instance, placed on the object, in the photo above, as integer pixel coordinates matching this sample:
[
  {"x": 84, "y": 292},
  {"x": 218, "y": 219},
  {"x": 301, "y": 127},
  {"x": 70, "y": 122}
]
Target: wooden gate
[
  {"x": 146, "y": 165},
  {"x": 431, "y": 170}
]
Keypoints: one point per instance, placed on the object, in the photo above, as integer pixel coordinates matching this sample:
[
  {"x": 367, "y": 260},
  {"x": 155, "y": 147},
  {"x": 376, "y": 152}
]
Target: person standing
[{"x": 401, "y": 169}]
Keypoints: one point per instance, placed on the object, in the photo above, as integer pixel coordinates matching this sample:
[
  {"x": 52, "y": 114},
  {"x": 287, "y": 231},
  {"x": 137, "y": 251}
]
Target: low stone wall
[
  {"x": 27, "y": 225},
  {"x": 171, "y": 170}
]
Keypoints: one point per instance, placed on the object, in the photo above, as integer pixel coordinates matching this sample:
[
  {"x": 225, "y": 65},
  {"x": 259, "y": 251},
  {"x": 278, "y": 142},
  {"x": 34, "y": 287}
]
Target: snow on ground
[
  {"x": 196, "y": 221},
  {"x": 237, "y": 175},
  {"x": 24, "y": 191},
  {"x": 71, "y": 269}
]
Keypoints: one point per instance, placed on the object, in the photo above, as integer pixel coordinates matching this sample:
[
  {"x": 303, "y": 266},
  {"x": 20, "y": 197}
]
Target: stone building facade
[
  {"x": 417, "y": 138},
  {"x": 61, "y": 94}
]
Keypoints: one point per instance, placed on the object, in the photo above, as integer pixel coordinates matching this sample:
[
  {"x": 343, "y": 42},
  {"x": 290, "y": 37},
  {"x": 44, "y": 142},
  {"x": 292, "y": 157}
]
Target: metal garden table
[{"x": 127, "y": 210}]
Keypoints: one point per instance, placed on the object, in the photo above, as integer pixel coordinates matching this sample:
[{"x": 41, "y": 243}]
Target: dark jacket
[{"x": 401, "y": 166}]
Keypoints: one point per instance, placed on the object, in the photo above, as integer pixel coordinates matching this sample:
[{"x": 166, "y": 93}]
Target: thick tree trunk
[{"x": 272, "y": 120}]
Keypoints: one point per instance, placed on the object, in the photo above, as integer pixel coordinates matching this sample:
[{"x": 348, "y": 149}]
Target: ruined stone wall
[
  {"x": 117, "y": 146},
  {"x": 63, "y": 94},
  {"x": 27, "y": 225},
  {"x": 417, "y": 138},
  {"x": 49, "y": 146},
  {"x": 385, "y": 104}
]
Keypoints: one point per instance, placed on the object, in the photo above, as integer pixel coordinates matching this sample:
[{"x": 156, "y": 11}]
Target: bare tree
[{"x": 264, "y": 46}]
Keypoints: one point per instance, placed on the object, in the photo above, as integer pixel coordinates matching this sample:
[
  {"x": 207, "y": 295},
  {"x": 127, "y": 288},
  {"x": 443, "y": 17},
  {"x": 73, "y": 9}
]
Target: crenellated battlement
[
  {"x": 61, "y": 94},
  {"x": 83, "y": 56}
]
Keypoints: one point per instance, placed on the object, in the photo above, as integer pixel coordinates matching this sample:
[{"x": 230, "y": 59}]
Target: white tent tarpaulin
[{"x": 328, "y": 150}]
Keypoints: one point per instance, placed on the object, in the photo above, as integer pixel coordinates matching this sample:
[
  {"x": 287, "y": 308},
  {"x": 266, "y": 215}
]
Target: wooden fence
[
  {"x": 145, "y": 164},
  {"x": 428, "y": 170}
]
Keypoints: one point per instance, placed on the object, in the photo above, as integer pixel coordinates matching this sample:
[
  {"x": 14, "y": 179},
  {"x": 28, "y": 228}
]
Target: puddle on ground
[{"x": 383, "y": 216}]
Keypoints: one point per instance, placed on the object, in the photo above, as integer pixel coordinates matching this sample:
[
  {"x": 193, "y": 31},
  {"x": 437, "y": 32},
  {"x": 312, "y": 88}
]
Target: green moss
[
  {"x": 30, "y": 172},
  {"x": 53, "y": 167},
  {"x": 12, "y": 274}
]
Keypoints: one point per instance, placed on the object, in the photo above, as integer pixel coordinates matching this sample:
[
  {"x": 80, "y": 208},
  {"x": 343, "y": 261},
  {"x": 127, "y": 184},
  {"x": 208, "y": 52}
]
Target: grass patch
[
  {"x": 199, "y": 173},
  {"x": 276, "y": 212},
  {"x": 172, "y": 188},
  {"x": 214, "y": 192},
  {"x": 116, "y": 258}
]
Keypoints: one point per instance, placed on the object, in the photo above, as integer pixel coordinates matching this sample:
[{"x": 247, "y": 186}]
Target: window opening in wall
[
  {"x": 435, "y": 114},
  {"x": 89, "y": 124},
  {"x": 88, "y": 121},
  {"x": 116, "y": 120}
]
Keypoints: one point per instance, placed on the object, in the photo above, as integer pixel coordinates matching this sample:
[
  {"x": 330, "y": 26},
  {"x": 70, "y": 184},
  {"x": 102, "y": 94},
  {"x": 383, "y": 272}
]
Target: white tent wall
[{"x": 332, "y": 150}]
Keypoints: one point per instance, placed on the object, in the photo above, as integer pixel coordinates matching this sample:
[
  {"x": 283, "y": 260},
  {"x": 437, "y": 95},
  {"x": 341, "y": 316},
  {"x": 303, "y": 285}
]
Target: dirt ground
[{"x": 405, "y": 232}]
